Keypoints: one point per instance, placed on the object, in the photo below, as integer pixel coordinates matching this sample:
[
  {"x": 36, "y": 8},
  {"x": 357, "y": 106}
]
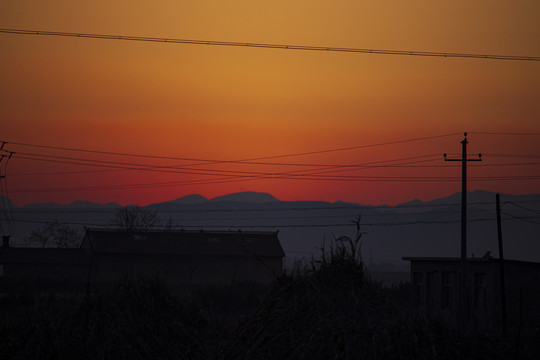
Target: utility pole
[
  {"x": 463, "y": 306},
  {"x": 501, "y": 264},
  {"x": 5, "y": 200}
]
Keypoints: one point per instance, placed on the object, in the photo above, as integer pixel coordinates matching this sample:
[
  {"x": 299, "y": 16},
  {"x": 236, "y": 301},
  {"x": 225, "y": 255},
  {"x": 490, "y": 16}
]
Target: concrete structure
[
  {"x": 434, "y": 287},
  {"x": 185, "y": 257},
  {"x": 181, "y": 258},
  {"x": 50, "y": 269}
]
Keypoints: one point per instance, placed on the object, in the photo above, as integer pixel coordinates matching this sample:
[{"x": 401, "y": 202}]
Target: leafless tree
[
  {"x": 55, "y": 234},
  {"x": 134, "y": 218}
]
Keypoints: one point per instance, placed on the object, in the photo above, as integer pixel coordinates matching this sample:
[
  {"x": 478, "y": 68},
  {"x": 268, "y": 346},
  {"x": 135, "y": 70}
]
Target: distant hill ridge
[
  {"x": 247, "y": 196},
  {"x": 262, "y": 197},
  {"x": 416, "y": 228}
]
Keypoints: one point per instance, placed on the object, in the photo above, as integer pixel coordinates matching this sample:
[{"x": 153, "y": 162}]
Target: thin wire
[
  {"x": 69, "y": 172},
  {"x": 373, "y": 166},
  {"x": 205, "y": 218},
  {"x": 215, "y": 172},
  {"x": 212, "y": 172},
  {"x": 272, "y": 46},
  {"x": 522, "y": 207},
  {"x": 522, "y": 218},
  {"x": 524, "y": 156},
  {"x": 315, "y": 175},
  {"x": 381, "y": 224},
  {"x": 246, "y": 161},
  {"x": 281, "y": 209},
  {"x": 295, "y": 178},
  {"x": 503, "y": 133},
  {"x": 357, "y": 147},
  {"x": 126, "y": 188},
  {"x": 365, "y": 166},
  {"x": 199, "y": 171}
]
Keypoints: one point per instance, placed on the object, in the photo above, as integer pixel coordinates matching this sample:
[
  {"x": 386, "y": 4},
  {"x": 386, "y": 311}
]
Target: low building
[
  {"x": 185, "y": 257},
  {"x": 435, "y": 288},
  {"x": 181, "y": 258},
  {"x": 48, "y": 269}
]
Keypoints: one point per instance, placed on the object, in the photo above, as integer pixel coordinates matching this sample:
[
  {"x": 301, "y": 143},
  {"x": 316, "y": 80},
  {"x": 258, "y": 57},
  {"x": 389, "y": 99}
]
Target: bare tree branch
[
  {"x": 134, "y": 218},
  {"x": 54, "y": 234}
]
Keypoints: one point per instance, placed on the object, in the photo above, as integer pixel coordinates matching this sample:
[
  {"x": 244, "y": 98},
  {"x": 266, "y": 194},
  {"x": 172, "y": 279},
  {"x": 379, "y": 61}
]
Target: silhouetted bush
[
  {"x": 336, "y": 312},
  {"x": 138, "y": 319},
  {"x": 332, "y": 310}
]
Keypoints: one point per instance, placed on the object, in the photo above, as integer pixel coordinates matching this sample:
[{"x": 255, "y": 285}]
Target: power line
[
  {"x": 373, "y": 166},
  {"x": 281, "y": 208},
  {"x": 503, "y": 133},
  {"x": 357, "y": 147},
  {"x": 377, "y": 224},
  {"x": 249, "y": 175},
  {"x": 232, "y": 175},
  {"x": 198, "y": 171},
  {"x": 333, "y": 179},
  {"x": 242, "y": 161},
  {"x": 521, "y": 156},
  {"x": 522, "y": 218},
  {"x": 250, "y": 178},
  {"x": 523, "y": 207},
  {"x": 205, "y": 218},
  {"x": 216, "y": 172},
  {"x": 65, "y": 172},
  {"x": 271, "y": 46}
]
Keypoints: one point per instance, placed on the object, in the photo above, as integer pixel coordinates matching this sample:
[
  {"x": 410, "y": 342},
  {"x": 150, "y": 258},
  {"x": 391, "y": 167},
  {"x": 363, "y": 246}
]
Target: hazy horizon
[{"x": 256, "y": 193}]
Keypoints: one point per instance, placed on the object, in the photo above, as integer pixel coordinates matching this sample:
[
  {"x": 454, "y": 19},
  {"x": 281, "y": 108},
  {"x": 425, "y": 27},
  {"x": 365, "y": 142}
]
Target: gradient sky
[{"x": 227, "y": 103}]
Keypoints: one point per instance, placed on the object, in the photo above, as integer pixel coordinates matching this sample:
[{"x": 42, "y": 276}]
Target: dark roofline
[
  {"x": 183, "y": 242},
  {"x": 184, "y": 231},
  {"x": 469, "y": 260}
]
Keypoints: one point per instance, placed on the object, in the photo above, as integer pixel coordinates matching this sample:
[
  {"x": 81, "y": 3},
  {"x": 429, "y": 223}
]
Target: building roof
[
  {"x": 43, "y": 256},
  {"x": 184, "y": 242}
]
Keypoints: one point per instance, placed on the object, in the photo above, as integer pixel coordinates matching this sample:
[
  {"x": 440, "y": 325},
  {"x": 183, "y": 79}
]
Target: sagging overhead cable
[{"x": 272, "y": 46}]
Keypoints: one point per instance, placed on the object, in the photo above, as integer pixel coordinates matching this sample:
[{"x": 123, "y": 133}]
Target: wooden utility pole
[
  {"x": 8, "y": 212},
  {"x": 463, "y": 307},
  {"x": 501, "y": 264}
]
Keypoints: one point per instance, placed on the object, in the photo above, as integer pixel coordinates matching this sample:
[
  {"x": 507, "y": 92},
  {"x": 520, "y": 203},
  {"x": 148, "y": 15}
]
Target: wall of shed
[
  {"x": 522, "y": 291},
  {"x": 44, "y": 278},
  {"x": 523, "y": 294},
  {"x": 180, "y": 270}
]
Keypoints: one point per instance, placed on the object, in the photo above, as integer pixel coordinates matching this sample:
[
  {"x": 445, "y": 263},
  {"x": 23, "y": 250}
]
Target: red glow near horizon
[
  {"x": 232, "y": 103},
  {"x": 388, "y": 174}
]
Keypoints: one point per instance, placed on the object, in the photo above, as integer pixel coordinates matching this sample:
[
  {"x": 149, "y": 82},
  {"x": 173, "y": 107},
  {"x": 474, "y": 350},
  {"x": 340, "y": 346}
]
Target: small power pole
[
  {"x": 5, "y": 203},
  {"x": 501, "y": 264},
  {"x": 462, "y": 311}
]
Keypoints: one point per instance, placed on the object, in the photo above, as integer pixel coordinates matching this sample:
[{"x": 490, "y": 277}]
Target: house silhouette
[
  {"x": 181, "y": 258},
  {"x": 435, "y": 290}
]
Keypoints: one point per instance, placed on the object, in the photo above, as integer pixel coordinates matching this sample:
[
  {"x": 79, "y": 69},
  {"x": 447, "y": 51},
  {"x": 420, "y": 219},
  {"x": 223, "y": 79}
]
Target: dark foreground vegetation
[{"x": 330, "y": 311}]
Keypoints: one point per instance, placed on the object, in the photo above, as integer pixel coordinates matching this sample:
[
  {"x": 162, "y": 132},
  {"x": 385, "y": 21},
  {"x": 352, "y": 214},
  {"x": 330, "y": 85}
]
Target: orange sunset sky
[{"x": 203, "y": 105}]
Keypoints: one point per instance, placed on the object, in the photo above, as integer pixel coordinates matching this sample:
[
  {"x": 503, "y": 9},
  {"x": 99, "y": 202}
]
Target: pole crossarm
[{"x": 479, "y": 158}]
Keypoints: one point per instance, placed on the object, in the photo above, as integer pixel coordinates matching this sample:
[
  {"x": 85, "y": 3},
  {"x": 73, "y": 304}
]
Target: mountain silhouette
[
  {"x": 189, "y": 199},
  {"x": 419, "y": 228},
  {"x": 246, "y": 196}
]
